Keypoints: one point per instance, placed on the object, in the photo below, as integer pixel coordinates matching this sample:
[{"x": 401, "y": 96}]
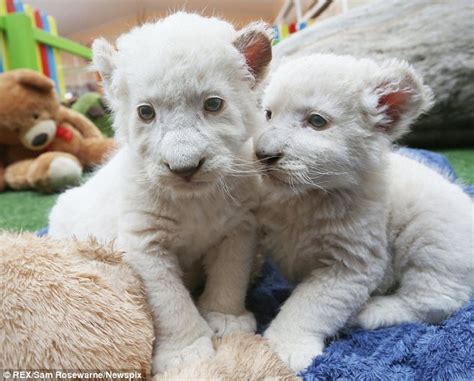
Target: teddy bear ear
[
  {"x": 399, "y": 97},
  {"x": 33, "y": 79},
  {"x": 255, "y": 43}
]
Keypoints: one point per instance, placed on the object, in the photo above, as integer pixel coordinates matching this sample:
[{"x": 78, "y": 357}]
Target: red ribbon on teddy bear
[{"x": 64, "y": 133}]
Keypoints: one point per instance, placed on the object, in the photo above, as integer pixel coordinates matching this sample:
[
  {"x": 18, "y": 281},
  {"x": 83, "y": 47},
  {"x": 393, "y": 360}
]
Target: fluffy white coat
[
  {"x": 368, "y": 235},
  {"x": 169, "y": 224}
]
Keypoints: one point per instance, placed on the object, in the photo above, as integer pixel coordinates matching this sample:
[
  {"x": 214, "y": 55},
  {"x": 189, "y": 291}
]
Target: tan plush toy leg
[
  {"x": 53, "y": 171},
  {"x": 239, "y": 356},
  {"x": 49, "y": 172},
  {"x": 15, "y": 174}
]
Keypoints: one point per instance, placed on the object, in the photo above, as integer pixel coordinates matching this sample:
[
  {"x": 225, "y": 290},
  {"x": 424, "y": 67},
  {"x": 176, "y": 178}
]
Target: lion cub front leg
[
  {"x": 181, "y": 333},
  {"x": 228, "y": 268}
]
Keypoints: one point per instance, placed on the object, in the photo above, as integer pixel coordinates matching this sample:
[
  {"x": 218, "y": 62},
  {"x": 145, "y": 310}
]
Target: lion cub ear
[
  {"x": 399, "y": 97},
  {"x": 103, "y": 56},
  {"x": 255, "y": 43}
]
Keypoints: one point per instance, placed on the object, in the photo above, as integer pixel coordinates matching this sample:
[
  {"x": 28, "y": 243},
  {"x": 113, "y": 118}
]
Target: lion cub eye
[
  {"x": 268, "y": 114},
  {"x": 317, "y": 121},
  {"x": 213, "y": 104},
  {"x": 146, "y": 112}
]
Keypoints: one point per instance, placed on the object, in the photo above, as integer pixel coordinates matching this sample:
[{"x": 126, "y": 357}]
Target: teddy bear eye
[
  {"x": 213, "y": 104},
  {"x": 146, "y": 112},
  {"x": 35, "y": 115},
  {"x": 317, "y": 121},
  {"x": 268, "y": 114}
]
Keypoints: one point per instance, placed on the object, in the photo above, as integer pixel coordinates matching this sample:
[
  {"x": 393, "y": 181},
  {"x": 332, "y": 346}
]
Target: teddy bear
[
  {"x": 43, "y": 145},
  {"x": 70, "y": 305}
]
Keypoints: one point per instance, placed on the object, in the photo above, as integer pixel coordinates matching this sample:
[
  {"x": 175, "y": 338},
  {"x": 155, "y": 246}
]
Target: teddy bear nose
[{"x": 39, "y": 139}]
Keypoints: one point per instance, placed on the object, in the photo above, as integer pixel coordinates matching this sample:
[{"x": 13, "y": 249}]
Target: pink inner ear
[
  {"x": 395, "y": 99},
  {"x": 257, "y": 50},
  {"x": 255, "y": 53},
  {"x": 394, "y": 103}
]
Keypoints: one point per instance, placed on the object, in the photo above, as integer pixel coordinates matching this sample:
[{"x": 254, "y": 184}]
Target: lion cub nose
[
  {"x": 185, "y": 171},
  {"x": 268, "y": 158}
]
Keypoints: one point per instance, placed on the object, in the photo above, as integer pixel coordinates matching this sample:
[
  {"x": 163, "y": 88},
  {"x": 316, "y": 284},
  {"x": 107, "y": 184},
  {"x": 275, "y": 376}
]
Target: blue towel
[{"x": 405, "y": 352}]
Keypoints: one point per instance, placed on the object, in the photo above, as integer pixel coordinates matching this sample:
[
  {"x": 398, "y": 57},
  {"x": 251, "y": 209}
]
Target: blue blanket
[{"x": 405, "y": 352}]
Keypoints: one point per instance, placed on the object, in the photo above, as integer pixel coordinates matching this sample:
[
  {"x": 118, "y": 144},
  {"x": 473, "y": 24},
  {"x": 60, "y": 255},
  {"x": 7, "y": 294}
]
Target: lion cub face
[
  {"x": 330, "y": 119},
  {"x": 181, "y": 90}
]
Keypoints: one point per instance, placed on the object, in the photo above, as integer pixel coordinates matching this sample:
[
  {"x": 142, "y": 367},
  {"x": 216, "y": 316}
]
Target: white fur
[
  {"x": 365, "y": 233},
  {"x": 169, "y": 226}
]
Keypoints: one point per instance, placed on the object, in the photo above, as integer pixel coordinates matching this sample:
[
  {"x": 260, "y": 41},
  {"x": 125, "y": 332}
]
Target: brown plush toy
[
  {"x": 43, "y": 145},
  {"x": 69, "y": 305}
]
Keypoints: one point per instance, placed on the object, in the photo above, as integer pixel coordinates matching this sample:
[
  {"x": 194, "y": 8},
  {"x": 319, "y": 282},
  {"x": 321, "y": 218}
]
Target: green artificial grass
[
  {"x": 463, "y": 162},
  {"x": 29, "y": 210},
  {"x": 21, "y": 211}
]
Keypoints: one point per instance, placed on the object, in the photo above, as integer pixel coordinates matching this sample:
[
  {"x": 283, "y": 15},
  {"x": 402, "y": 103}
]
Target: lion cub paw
[{"x": 224, "y": 324}]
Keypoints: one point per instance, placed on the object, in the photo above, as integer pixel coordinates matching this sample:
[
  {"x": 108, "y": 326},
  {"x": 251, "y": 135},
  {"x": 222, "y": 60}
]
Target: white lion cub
[
  {"x": 178, "y": 191},
  {"x": 366, "y": 233}
]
